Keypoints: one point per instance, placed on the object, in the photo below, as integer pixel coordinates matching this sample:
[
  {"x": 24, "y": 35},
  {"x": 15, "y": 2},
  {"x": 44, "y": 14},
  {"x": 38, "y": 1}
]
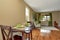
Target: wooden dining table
[
  {"x": 24, "y": 34},
  {"x": 22, "y": 30}
]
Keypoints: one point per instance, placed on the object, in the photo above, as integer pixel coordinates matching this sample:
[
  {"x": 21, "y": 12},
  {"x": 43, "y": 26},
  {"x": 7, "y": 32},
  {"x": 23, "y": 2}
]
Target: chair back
[
  {"x": 6, "y": 32},
  {"x": 55, "y": 24}
]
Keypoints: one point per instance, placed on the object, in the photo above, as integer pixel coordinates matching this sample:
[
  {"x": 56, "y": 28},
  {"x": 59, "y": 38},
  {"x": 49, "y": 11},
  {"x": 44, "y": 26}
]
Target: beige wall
[
  {"x": 56, "y": 16},
  {"x": 12, "y": 12}
]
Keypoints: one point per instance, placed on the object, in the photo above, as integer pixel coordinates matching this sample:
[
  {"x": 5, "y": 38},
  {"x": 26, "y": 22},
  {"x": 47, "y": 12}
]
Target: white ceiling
[{"x": 44, "y": 5}]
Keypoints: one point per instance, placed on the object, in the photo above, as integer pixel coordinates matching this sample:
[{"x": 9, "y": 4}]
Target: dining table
[{"x": 25, "y": 36}]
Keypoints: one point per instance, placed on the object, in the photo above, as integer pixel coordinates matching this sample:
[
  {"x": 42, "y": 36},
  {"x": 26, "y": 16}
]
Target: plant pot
[{"x": 27, "y": 29}]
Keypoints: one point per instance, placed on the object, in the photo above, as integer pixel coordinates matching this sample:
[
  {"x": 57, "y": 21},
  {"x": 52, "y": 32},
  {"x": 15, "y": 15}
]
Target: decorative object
[
  {"x": 27, "y": 30},
  {"x": 27, "y": 27},
  {"x": 19, "y": 26}
]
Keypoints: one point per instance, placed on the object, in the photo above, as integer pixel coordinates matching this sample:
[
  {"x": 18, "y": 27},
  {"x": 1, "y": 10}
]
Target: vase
[{"x": 27, "y": 29}]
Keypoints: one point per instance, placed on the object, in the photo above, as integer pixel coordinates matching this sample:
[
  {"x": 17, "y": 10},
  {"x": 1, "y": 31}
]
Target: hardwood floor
[{"x": 36, "y": 35}]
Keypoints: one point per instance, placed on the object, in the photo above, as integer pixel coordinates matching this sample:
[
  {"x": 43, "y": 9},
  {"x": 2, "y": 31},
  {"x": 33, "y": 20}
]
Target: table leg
[{"x": 23, "y": 36}]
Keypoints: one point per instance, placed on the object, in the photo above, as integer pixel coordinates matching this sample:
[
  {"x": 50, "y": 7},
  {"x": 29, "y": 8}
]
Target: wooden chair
[
  {"x": 56, "y": 25},
  {"x": 6, "y": 32}
]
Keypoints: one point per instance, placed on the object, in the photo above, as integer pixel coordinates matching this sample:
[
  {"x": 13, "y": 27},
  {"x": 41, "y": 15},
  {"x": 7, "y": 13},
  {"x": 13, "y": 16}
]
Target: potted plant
[{"x": 27, "y": 27}]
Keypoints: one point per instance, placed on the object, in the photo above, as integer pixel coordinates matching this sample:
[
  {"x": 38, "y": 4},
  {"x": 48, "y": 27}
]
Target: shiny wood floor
[{"x": 36, "y": 35}]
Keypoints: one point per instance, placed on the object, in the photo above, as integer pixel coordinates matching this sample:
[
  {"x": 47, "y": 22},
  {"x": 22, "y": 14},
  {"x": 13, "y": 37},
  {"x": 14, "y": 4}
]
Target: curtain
[{"x": 50, "y": 22}]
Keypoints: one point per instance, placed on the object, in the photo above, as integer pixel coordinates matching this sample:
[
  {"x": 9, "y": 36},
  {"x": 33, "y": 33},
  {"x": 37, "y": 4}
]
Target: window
[
  {"x": 45, "y": 18},
  {"x": 27, "y": 14}
]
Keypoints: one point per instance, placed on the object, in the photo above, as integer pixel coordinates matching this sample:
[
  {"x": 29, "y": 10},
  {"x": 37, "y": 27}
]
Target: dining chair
[{"x": 6, "y": 32}]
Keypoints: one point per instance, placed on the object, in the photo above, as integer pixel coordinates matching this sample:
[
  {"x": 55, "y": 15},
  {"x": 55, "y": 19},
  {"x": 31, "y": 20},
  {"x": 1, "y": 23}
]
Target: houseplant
[
  {"x": 36, "y": 19},
  {"x": 27, "y": 27}
]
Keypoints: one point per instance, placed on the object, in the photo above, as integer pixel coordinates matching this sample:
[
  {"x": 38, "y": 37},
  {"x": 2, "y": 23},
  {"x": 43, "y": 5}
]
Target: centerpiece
[{"x": 27, "y": 27}]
